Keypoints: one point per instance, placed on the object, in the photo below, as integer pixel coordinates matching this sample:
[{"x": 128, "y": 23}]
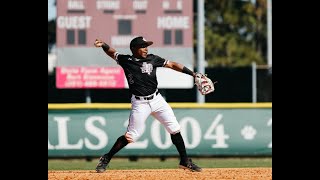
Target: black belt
[{"x": 146, "y": 98}]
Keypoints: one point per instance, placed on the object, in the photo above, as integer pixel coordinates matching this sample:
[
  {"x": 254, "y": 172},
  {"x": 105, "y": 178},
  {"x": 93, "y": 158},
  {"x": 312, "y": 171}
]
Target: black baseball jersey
[{"x": 141, "y": 73}]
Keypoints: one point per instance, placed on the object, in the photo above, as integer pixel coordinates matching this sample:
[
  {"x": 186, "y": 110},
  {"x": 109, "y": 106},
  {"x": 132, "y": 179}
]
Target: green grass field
[{"x": 156, "y": 163}]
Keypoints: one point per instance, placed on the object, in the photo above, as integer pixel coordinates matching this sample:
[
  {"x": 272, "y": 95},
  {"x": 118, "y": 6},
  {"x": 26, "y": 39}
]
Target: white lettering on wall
[
  {"x": 141, "y": 144},
  {"x": 73, "y": 77},
  {"x": 96, "y": 132},
  {"x": 140, "y": 4},
  {"x": 156, "y": 136},
  {"x": 68, "y": 70},
  {"x": 120, "y": 16},
  {"x": 216, "y": 132},
  {"x": 108, "y": 4},
  {"x": 195, "y": 131},
  {"x": 63, "y": 135},
  {"x": 165, "y": 4},
  {"x": 270, "y": 124},
  {"x": 75, "y": 5},
  {"x": 74, "y": 22},
  {"x": 121, "y": 40},
  {"x": 172, "y": 22},
  {"x": 179, "y": 4}
]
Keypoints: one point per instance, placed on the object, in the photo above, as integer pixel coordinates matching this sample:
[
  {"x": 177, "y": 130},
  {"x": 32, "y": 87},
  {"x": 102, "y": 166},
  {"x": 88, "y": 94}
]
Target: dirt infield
[{"x": 166, "y": 174}]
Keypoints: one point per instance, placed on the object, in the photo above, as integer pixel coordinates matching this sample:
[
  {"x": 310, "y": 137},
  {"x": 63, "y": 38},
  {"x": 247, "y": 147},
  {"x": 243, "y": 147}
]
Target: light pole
[{"x": 200, "y": 46}]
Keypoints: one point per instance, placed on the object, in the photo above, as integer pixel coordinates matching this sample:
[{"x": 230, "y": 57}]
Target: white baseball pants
[{"x": 140, "y": 111}]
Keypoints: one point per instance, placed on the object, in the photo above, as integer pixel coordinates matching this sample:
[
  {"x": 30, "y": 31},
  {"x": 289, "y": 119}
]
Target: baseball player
[{"x": 140, "y": 71}]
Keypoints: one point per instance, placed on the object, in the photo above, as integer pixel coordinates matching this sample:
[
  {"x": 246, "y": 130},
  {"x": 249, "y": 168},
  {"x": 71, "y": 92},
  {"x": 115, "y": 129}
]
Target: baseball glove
[{"x": 204, "y": 84}]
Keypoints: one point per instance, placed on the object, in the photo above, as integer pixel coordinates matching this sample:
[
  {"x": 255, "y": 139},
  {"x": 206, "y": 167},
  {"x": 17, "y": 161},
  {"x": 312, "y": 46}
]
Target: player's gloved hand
[{"x": 204, "y": 84}]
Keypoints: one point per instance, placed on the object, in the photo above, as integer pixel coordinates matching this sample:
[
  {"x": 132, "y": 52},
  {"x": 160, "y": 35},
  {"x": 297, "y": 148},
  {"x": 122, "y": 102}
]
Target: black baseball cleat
[
  {"x": 189, "y": 165},
  {"x": 103, "y": 164}
]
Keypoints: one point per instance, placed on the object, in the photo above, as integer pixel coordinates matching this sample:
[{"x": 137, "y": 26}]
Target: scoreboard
[{"x": 168, "y": 23}]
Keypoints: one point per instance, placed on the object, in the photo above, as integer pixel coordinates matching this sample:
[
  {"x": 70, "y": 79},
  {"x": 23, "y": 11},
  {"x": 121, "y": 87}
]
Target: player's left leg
[{"x": 164, "y": 114}]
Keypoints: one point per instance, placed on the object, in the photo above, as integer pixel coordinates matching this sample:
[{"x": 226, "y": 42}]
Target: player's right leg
[
  {"x": 140, "y": 111},
  {"x": 136, "y": 126}
]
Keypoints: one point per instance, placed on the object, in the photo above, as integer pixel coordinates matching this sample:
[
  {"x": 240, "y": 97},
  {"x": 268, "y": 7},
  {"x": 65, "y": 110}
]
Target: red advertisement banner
[{"x": 90, "y": 77}]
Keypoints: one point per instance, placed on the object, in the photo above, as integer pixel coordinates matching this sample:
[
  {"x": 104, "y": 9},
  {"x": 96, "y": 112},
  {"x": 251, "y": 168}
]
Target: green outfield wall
[{"x": 211, "y": 129}]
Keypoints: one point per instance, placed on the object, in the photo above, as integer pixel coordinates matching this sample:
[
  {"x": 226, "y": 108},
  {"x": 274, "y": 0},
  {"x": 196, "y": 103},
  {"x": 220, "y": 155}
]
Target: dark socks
[
  {"x": 179, "y": 143},
  {"x": 176, "y": 140},
  {"x": 118, "y": 145}
]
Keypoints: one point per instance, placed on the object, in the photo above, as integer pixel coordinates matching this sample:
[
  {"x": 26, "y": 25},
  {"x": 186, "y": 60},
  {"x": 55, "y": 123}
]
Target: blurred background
[
  {"x": 237, "y": 48},
  {"x": 229, "y": 40}
]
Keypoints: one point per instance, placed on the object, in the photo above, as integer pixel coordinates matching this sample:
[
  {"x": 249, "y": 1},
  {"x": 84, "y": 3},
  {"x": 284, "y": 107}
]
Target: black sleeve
[
  {"x": 120, "y": 58},
  {"x": 159, "y": 61}
]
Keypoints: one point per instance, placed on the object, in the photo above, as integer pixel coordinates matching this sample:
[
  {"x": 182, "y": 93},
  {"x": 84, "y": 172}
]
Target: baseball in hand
[{"x": 98, "y": 43}]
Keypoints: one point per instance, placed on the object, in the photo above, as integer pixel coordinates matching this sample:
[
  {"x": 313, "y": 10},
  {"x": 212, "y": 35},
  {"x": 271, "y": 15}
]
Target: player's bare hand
[{"x": 98, "y": 43}]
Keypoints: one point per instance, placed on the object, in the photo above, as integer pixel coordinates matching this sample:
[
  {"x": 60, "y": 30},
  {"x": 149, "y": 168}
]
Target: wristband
[
  {"x": 187, "y": 71},
  {"x": 105, "y": 47}
]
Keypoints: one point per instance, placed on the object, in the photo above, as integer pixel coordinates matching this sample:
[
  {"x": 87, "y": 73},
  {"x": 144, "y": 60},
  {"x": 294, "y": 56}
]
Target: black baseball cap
[{"x": 139, "y": 41}]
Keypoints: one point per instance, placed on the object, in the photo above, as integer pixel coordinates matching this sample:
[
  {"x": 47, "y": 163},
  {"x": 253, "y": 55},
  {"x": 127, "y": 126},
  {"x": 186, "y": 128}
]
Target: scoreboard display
[{"x": 168, "y": 23}]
